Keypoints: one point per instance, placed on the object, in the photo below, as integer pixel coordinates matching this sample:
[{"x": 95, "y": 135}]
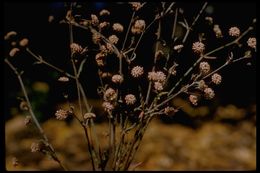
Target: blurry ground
[{"x": 214, "y": 145}]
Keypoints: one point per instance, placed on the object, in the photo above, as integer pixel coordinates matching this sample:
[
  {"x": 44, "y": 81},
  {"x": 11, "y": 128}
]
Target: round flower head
[
  {"x": 138, "y": 27},
  {"x": 118, "y": 27},
  {"x": 108, "y": 107},
  {"x": 75, "y": 48},
  {"x": 96, "y": 38},
  {"x": 234, "y": 31},
  {"x": 136, "y": 5},
  {"x": 117, "y": 79},
  {"x": 204, "y": 67},
  {"x": 130, "y": 99},
  {"x": 198, "y": 47},
  {"x": 94, "y": 20},
  {"x": 158, "y": 86},
  {"x": 61, "y": 114},
  {"x": 158, "y": 76},
  {"x": 137, "y": 71},
  {"x": 104, "y": 12},
  {"x": 63, "y": 79},
  {"x": 110, "y": 94},
  {"x": 216, "y": 78},
  {"x": 201, "y": 85},
  {"x": 103, "y": 25},
  {"x": 193, "y": 99},
  {"x": 113, "y": 39},
  {"x": 24, "y": 42},
  {"x": 209, "y": 93},
  {"x": 89, "y": 115},
  {"x": 251, "y": 42}
]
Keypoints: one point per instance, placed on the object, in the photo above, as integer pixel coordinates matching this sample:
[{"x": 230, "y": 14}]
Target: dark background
[{"x": 51, "y": 39}]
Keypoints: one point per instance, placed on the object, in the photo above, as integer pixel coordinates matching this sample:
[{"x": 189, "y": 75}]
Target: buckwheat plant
[{"x": 134, "y": 93}]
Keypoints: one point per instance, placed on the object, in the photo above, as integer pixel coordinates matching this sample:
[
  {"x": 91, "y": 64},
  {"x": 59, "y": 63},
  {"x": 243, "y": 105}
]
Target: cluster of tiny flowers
[
  {"x": 61, "y": 114},
  {"x": 100, "y": 59},
  {"x": 104, "y": 12},
  {"x": 113, "y": 39},
  {"x": 202, "y": 85},
  {"x": 138, "y": 27},
  {"x": 89, "y": 115},
  {"x": 216, "y": 78},
  {"x": 75, "y": 48},
  {"x": 35, "y": 147},
  {"x": 110, "y": 94},
  {"x": 103, "y": 25},
  {"x": 158, "y": 76},
  {"x": 193, "y": 99},
  {"x": 234, "y": 31},
  {"x": 251, "y": 42},
  {"x": 130, "y": 99},
  {"x": 94, "y": 20},
  {"x": 204, "y": 67},
  {"x": 209, "y": 93},
  {"x": 217, "y": 31},
  {"x": 117, "y": 78},
  {"x": 13, "y": 52},
  {"x": 158, "y": 86},
  {"x": 24, "y": 42},
  {"x": 198, "y": 47},
  {"x": 63, "y": 79},
  {"x": 137, "y": 71},
  {"x": 136, "y": 5},
  {"x": 118, "y": 27},
  {"x": 168, "y": 110},
  {"x": 108, "y": 107},
  {"x": 109, "y": 48}
]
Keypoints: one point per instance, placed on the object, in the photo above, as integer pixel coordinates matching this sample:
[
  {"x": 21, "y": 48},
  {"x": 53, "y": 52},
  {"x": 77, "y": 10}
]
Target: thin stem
[
  {"x": 175, "y": 22},
  {"x": 32, "y": 113},
  {"x": 128, "y": 29}
]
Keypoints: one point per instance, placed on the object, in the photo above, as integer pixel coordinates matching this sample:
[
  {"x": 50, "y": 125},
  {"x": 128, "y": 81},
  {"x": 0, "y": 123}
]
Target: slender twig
[{"x": 30, "y": 109}]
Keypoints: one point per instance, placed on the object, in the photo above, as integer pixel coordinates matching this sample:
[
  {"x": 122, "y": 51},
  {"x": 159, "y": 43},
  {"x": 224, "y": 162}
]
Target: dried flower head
[
  {"x": 63, "y": 79},
  {"x": 27, "y": 120},
  {"x": 61, "y": 114},
  {"x": 204, "y": 67},
  {"x": 104, "y": 12},
  {"x": 103, "y": 25},
  {"x": 136, "y": 5},
  {"x": 109, "y": 47},
  {"x": 209, "y": 93},
  {"x": 100, "y": 59},
  {"x": 108, "y": 107},
  {"x": 216, "y": 78},
  {"x": 130, "y": 99},
  {"x": 89, "y": 115},
  {"x": 96, "y": 38},
  {"x": 117, "y": 79},
  {"x": 24, "y": 106},
  {"x": 251, "y": 42},
  {"x": 201, "y": 85},
  {"x": 110, "y": 94},
  {"x": 13, "y": 52},
  {"x": 9, "y": 35},
  {"x": 198, "y": 47},
  {"x": 75, "y": 48},
  {"x": 158, "y": 76},
  {"x": 118, "y": 27},
  {"x": 137, "y": 71},
  {"x": 209, "y": 19},
  {"x": 234, "y": 31},
  {"x": 36, "y": 147},
  {"x": 217, "y": 31},
  {"x": 158, "y": 86},
  {"x": 94, "y": 20},
  {"x": 193, "y": 99},
  {"x": 24, "y": 42},
  {"x": 138, "y": 27},
  {"x": 168, "y": 110},
  {"x": 113, "y": 39}
]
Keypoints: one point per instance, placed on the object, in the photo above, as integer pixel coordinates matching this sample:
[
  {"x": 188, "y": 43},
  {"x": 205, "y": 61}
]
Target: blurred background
[{"x": 216, "y": 135}]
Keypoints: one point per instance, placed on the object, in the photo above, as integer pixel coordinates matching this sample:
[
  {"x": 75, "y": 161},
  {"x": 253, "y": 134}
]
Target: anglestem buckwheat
[{"x": 128, "y": 103}]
